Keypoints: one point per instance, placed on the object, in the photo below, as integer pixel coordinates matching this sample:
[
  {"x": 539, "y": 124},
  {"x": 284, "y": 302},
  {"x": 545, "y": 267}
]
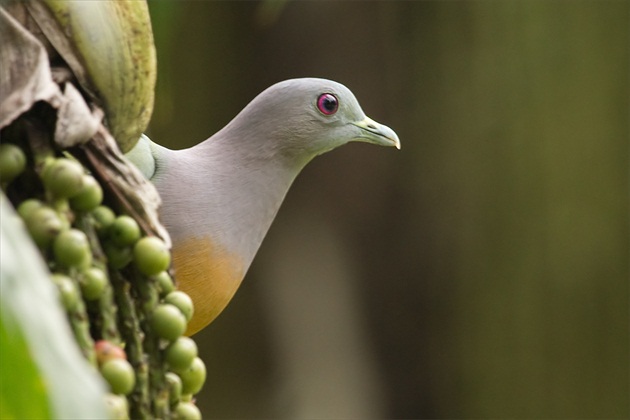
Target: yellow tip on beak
[{"x": 375, "y": 133}]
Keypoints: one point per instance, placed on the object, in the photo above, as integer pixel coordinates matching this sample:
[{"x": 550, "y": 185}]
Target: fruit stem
[
  {"x": 80, "y": 324},
  {"x": 132, "y": 336},
  {"x": 105, "y": 314},
  {"x": 148, "y": 298}
]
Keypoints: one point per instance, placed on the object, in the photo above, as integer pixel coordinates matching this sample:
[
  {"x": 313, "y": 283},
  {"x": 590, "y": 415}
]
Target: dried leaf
[
  {"x": 76, "y": 124},
  {"x": 25, "y": 76}
]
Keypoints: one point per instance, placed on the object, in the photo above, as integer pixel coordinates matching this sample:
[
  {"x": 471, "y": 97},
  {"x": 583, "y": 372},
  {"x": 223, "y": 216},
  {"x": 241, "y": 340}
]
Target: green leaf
[
  {"x": 42, "y": 372},
  {"x": 22, "y": 390}
]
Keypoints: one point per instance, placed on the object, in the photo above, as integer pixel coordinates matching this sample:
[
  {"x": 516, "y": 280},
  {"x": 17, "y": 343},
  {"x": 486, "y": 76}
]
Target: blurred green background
[{"x": 482, "y": 271}]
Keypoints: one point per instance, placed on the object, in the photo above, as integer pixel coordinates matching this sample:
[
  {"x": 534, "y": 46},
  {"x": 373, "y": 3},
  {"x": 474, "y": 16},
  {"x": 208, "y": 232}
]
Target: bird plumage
[{"x": 220, "y": 196}]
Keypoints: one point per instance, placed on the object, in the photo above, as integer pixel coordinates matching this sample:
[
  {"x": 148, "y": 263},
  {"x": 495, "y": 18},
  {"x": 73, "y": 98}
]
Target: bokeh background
[{"x": 480, "y": 272}]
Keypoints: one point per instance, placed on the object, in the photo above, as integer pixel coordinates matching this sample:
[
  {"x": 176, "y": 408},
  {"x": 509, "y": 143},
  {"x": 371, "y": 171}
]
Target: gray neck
[{"x": 226, "y": 189}]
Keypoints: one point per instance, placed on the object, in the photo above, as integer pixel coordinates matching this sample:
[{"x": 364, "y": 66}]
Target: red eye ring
[{"x": 327, "y": 103}]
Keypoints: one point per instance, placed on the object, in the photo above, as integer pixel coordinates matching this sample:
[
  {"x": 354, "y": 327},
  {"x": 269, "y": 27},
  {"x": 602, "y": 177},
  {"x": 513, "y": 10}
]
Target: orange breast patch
[{"x": 209, "y": 274}]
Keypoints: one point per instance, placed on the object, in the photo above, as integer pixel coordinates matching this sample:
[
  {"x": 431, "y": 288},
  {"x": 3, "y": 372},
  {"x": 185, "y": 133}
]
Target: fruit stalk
[
  {"x": 132, "y": 336},
  {"x": 104, "y": 309},
  {"x": 148, "y": 294},
  {"x": 80, "y": 323}
]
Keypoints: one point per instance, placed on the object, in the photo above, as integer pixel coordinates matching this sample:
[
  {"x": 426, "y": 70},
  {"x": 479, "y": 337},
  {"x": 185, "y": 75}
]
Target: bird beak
[{"x": 375, "y": 133}]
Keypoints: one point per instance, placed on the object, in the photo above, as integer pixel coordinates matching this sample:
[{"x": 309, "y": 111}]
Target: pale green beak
[{"x": 375, "y": 133}]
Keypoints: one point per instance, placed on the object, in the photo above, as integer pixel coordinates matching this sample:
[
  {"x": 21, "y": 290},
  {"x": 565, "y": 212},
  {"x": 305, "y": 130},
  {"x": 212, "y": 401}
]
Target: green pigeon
[{"x": 220, "y": 196}]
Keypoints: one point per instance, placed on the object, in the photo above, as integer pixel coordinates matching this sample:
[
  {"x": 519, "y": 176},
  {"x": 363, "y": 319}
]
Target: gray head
[{"x": 302, "y": 118}]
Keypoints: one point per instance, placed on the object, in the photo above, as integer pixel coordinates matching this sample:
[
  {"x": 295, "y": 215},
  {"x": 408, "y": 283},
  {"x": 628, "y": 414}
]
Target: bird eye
[{"x": 327, "y": 103}]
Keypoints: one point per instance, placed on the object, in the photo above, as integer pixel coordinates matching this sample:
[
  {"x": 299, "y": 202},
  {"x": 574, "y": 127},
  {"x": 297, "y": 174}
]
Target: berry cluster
[{"x": 112, "y": 280}]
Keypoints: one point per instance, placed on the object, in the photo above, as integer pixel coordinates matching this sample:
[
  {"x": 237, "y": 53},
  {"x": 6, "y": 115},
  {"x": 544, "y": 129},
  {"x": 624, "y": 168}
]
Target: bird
[{"x": 220, "y": 196}]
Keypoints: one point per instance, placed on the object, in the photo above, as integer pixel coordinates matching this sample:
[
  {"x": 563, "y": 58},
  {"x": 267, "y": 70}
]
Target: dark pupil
[{"x": 329, "y": 103}]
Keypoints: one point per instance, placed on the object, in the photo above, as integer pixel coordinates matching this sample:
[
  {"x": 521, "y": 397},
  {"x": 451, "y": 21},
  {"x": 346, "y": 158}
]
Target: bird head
[{"x": 303, "y": 118}]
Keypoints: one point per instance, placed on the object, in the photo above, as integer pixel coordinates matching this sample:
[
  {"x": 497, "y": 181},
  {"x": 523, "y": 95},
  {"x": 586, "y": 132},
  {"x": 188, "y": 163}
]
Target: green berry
[
  {"x": 187, "y": 411},
  {"x": 181, "y": 353},
  {"x": 117, "y": 407},
  {"x": 164, "y": 282},
  {"x": 63, "y": 178},
  {"x": 103, "y": 218},
  {"x": 124, "y": 231},
  {"x": 90, "y": 196},
  {"x": 27, "y": 207},
  {"x": 151, "y": 255},
  {"x": 68, "y": 293},
  {"x": 72, "y": 249},
  {"x": 93, "y": 283},
  {"x": 12, "y": 162},
  {"x": 44, "y": 225},
  {"x": 117, "y": 257},
  {"x": 119, "y": 375},
  {"x": 193, "y": 377},
  {"x": 182, "y": 301},
  {"x": 174, "y": 383},
  {"x": 168, "y": 322}
]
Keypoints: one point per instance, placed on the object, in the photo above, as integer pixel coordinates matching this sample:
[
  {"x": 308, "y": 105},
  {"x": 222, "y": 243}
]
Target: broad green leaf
[
  {"x": 40, "y": 359},
  {"x": 22, "y": 391}
]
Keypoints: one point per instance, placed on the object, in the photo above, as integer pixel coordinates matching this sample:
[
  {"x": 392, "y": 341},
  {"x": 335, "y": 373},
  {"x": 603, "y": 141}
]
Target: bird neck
[
  {"x": 221, "y": 202},
  {"x": 241, "y": 186}
]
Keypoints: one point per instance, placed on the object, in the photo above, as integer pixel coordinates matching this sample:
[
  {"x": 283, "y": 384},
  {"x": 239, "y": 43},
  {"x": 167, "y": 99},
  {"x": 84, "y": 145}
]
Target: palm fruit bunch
[{"x": 76, "y": 92}]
